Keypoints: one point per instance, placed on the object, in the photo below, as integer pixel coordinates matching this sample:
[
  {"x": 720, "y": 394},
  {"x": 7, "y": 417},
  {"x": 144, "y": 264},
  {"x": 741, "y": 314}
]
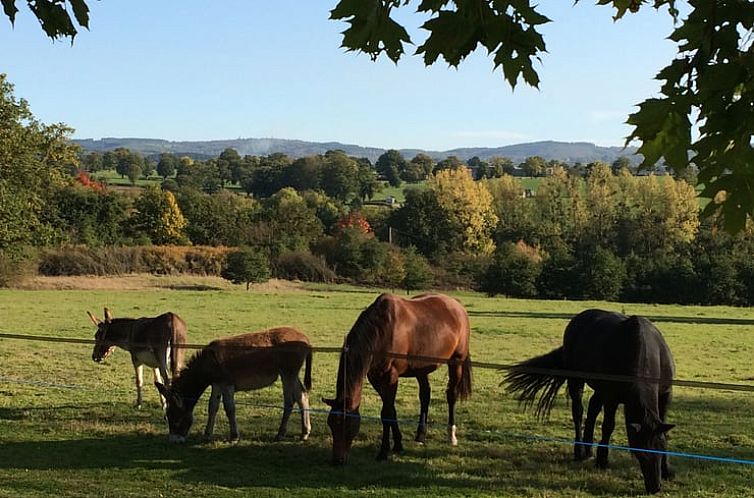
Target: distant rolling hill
[{"x": 571, "y": 152}]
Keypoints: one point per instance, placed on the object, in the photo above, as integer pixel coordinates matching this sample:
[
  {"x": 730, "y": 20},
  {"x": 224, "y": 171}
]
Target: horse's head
[
  {"x": 102, "y": 347},
  {"x": 180, "y": 416},
  {"x": 344, "y": 426},
  {"x": 650, "y": 436}
]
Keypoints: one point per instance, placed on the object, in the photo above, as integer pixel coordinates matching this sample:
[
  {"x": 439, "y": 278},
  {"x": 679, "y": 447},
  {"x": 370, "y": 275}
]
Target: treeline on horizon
[{"x": 592, "y": 232}]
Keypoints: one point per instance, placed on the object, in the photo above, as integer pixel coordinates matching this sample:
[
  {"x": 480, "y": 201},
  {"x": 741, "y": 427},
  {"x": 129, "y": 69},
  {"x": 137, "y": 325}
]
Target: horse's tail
[
  {"x": 463, "y": 390},
  {"x": 530, "y": 379},
  {"x": 308, "y": 371},
  {"x": 178, "y": 338}
]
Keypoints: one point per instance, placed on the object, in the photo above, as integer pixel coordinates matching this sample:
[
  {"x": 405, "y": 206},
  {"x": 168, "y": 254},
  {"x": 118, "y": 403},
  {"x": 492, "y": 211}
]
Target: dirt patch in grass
[{"x": 146, "y": 281}]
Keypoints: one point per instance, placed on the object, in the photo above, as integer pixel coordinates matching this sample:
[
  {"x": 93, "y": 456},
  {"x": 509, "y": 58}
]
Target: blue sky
[{"x": 252, "y": 68}]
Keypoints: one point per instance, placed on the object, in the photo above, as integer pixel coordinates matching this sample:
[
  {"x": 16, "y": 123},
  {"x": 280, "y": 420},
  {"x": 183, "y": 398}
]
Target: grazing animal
[
  {"x": 155, "y": 342},
  {"x": 599, "y": 344},
  {"x": 386, "y": 343},
  {"x": 241, "y": 363}
]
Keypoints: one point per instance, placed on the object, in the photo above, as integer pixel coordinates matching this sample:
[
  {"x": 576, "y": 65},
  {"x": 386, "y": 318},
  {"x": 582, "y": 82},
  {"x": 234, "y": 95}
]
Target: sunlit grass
[{"x": 90, "y": 441}]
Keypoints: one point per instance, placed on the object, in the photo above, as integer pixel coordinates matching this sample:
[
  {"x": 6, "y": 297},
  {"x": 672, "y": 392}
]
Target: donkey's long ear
[
  {"x": 108, "y": 316},
  {"x": 168, "y": 394},
  {"x": 164, "y": 390},
  {"x": 93, "y": 318}
]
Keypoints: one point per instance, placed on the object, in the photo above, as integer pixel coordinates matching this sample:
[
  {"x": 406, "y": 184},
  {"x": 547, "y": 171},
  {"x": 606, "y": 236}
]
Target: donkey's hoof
[
  {"x": 452, "y": 439},
  {"x": 304, "y": 437},
  {"x": 581, "y": 452},
  {"x": 398, "y": 449},
  {"x": 601, "y": 464},
  {"x": 278, "y": 437}
]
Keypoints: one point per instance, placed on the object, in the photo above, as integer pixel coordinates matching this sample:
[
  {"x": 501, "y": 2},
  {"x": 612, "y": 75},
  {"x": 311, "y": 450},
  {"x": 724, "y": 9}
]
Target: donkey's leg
[
  {"x": 302, "y": 399},
  {"x": 576, "y": 391},
  {"x": 289, "y": 384},
  {"x": 608, "y": 425},
  {"x": 595, "y": 406},
  {"x": 214, "y": 406},
  {"x": 455, "y": 372},
  {"x": 424, "y": 396},
  {"x": 664, "y": 401},
  {"x": 161, "y": 379},
  {"x": 229, "y": 404},
  {"x": 139, "y": 370}
]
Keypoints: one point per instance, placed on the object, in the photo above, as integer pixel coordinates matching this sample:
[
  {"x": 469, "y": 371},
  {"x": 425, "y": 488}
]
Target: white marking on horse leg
[
  {"x": 158, "y": 377},
  {"x": 303, "y": 404},
  {"x": 452, "y": 439},
  {"x": 229, "y": 404},
  {"x": 212, "y": 408},
  {"x": 139, "y": 370}
]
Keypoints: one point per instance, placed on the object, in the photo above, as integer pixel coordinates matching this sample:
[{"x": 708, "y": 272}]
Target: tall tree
[
  {"x": 167, "y": 165},
  {"x": 158, "y": 216},
  {"x": 33, "y": 160},
  {"x": 390, "y": 165}
]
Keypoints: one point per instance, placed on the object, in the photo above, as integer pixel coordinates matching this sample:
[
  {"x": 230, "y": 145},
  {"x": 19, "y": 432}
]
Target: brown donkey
[
  {"x": 241, "y": 363},
  {"x": 155, "y": 342},
  {"x": 392, "y": 338}
]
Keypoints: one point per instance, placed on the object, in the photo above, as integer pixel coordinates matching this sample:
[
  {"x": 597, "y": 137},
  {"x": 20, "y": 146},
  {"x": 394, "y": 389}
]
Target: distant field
[{"x": 88, "y": 440}]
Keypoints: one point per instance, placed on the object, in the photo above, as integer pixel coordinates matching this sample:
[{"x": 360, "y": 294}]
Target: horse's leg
[
  {"x": 229, "y": 404},
  {"x": 387, "y": 387},
  {"x": 424, "y": 395},
  {"x": 139, "y": 370},
  {"x": 302, "y": 399},
  {"x": 455, "y": 372},
  {"x": 664, "y": 402},
  {"x": 159, "y": 378},
  {"x": 608, "y": 425},
  {"x": 576, "y": 392},
  {"x": 289, "y": 384},
  {"x": 595, "y": 406},
  {"x": 212, "y": 408}
]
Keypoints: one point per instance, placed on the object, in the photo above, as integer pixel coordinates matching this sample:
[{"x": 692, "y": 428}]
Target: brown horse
[
  {"x": 155, "y": 342},
  {"x": 241, "y": 363},
  {"x": 392, "y": 338}
]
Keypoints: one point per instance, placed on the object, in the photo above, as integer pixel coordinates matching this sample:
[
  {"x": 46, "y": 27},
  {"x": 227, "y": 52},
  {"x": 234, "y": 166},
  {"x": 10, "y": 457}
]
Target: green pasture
[{"x": 86, "y": 439}]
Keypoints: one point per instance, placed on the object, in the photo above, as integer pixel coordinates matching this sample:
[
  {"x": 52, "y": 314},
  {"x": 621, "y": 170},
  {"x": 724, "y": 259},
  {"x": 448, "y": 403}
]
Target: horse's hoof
[
  {"x": 381, "y": 456},
  {"x": 234, "y": 439},
  {"x": 278, "y": 438},
  {"x": 668, "y": 474},
  {"x": 580, "y": 453},
  {"x": 398, "y": 449},
  {"x": 601, "y": 464},
  {"x": 420, "y": 439},
  {"x": 304, "y": 437}
]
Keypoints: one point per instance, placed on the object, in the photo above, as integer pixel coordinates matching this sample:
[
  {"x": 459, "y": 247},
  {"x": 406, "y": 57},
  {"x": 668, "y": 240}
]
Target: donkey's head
[
  {"x": 649, "y": 436},
  {"x": 180, "y": 414},
  {"x": 103, "y": 347},
  {"x": 344, "y": 425}
]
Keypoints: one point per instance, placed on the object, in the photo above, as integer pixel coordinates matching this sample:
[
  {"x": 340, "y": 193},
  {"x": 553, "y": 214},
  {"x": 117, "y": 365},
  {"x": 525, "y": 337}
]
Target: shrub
[
  {"x": 418, "y": 274},
  {"x": 303, "y": 265},
  {"x": 603, "y": 275},
  {"x": 513, "y": 272},
  {"x": 15, "y": 266},
  {"x": 247, "y": 265}
]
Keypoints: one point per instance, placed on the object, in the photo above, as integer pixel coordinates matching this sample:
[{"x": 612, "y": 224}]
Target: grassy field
[{"x": 88, "y": 440}]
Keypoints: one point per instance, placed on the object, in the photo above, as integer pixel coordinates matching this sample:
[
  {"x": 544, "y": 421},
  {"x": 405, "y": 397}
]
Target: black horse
[{"x": 599, "y": 346}]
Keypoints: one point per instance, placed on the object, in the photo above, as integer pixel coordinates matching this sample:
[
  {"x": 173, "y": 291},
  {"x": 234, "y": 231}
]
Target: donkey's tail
[
  {"x": 178, "y": 336},
  {"x": 308, "y": 371},
  {"x": 463, "y": 391},
  {"x": 530, "y": 379}
]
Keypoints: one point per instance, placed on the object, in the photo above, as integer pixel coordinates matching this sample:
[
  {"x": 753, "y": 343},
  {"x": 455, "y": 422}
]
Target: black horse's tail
[
  {"x": 308, "y": 371},
  {"x": 530, "y": 379}
]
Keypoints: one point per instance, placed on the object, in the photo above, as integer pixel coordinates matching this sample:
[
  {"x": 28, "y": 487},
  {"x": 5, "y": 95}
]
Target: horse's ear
[
  {"x": 332, "y": 403},
  {"x": 108, "y": 316},
  {"x": 635, "y": 427},
  {"x": 664, "y": 428},
  {"x": 93, "y": 318}
]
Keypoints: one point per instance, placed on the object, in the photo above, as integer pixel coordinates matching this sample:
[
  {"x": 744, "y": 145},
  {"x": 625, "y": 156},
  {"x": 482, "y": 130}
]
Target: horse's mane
[
  {"x": 193, "y": 375},
  {"x": 361, "y": 343}
]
